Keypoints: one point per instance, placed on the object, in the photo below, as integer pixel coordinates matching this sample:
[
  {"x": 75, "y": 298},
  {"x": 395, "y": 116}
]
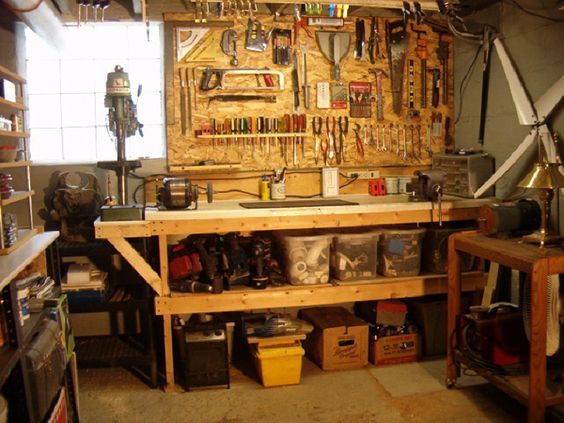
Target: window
[{"x": 66, "y": 92}]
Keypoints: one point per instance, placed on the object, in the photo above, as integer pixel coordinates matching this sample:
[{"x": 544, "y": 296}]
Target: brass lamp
[{"x": 547, "y": 178}]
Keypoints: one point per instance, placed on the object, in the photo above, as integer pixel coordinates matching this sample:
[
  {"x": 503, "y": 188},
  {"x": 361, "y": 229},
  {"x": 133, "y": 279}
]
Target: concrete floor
[{"x": 403, "y": 393}]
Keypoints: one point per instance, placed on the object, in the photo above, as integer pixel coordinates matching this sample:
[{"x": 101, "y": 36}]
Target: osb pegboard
[{"x": 183, "y": 150}]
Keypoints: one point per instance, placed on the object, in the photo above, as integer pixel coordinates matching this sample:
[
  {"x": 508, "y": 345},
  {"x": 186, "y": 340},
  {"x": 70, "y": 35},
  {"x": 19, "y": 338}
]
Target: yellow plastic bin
[{"x": 279, "y": 364}]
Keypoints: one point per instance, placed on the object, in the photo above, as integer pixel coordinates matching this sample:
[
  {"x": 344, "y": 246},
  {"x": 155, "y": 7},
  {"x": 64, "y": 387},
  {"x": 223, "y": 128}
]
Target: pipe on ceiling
[{"x": 41, "y": 18}]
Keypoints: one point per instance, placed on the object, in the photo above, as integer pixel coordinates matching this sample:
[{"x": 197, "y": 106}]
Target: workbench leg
[
  {"x": 537, "y": 350},
  {"x": 454, "y": 293},
  {"x": 169, "y": 358},
  {"x": 163, "y": 259}
]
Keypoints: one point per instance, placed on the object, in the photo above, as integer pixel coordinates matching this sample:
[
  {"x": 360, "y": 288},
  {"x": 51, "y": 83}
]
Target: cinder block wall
[{"x": 535, "y": 46}]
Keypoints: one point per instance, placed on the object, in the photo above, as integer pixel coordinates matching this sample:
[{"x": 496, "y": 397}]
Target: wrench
[
  {"x": 418, "y": 128},
  {"x": 372, "y": 142},
  {"x": 412, "y": 130},
  {"x": 428, "y": 136},
  {"x": 404, "y": 157},
  {"x": 384, "y": 148}
]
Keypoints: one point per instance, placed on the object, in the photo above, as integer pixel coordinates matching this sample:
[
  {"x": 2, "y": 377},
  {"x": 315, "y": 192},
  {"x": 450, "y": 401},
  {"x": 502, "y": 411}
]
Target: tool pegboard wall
[{"x": 388, "y": 138}]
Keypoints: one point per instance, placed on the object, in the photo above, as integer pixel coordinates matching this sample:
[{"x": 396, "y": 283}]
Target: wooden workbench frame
[{"x": 168, "y": 304}]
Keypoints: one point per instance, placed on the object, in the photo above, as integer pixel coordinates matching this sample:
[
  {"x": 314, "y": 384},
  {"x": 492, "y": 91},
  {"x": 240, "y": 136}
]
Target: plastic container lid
[{"x": 391, "y": 233}]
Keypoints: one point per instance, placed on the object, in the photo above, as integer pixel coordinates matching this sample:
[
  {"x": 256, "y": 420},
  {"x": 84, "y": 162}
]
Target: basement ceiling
[{"x": 126, "y": 10}]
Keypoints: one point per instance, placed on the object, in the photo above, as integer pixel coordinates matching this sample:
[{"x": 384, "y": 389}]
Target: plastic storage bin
[
  {"x": 435, "y": 249},
  {"x": 306, "y": 259},
  {"x": 399, "y": 252},
  {"x": 354, "y": 256},
  {"x": 279, "y": 364}
]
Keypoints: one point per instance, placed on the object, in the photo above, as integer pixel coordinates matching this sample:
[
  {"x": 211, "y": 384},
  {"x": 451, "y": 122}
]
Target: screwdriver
[{"x": 104, "y": 4}]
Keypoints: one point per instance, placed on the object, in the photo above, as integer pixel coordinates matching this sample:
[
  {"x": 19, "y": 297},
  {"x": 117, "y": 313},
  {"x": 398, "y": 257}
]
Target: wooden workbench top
[
  {"x": 366, "y": 204},
  {"x": 228, "y": 216}
]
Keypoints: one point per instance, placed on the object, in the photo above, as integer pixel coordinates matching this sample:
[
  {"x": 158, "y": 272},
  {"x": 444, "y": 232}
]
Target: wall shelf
[
  {"x": 24, "y": 235},
  {"x": 9, "y": 165},
  {"x": 27, "y": 252},
  {"x": 17, "y": 196},
  {"x": 14, "y": 134},
  {"x": 12, "y": 105}
]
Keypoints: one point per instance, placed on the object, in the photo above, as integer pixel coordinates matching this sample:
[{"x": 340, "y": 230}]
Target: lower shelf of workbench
[{"x": 245, "y": 298}]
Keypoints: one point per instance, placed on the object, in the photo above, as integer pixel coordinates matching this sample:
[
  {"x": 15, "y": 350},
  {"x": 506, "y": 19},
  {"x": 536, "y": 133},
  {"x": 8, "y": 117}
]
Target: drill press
[{"x": 123, "y": 123}]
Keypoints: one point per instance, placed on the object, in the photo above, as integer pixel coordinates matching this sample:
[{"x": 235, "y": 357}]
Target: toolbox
[{"x": 464, "y": 173}]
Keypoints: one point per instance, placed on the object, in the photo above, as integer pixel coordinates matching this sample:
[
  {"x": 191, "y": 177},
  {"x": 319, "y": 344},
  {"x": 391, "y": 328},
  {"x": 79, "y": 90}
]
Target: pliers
[
  {"x": 343, "y": 131},
  {"x": 359, "y": 144},
  {"x": 330, "y": 140},
  {"x": 317, "y": 126}
]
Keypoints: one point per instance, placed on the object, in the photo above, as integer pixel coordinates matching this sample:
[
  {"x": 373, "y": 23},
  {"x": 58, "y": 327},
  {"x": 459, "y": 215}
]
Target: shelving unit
[
  {"x": 21, "y": 136},
  {"x": 32, "y": 253},
  {"x": 129, "y": 350}
]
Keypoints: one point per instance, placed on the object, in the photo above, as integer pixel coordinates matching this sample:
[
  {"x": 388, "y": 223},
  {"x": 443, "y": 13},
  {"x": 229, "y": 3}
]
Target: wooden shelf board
[
  {"x": 246, "y": 298},
  {"x": 268, "y": 135},
  {"x": 17, "y": 196},
  {"x": 24, "y": 235},
  {"x": 386, "y": 4},
  {"x": 23, "y": 163},
  {"x": 14, "y": 77},
  {"x": 517, "y": 386},
  {"x": 14, "y": 134},
  {"x": 26, "y": 252},
  {"x": 13, "y": 105}
]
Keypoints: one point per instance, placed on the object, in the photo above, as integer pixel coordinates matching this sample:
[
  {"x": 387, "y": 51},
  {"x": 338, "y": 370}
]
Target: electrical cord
[
  {"x": 464, "y": 84},
  {"x": 528, "y": 12}
]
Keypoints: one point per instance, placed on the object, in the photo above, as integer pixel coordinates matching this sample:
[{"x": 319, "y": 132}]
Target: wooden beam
[
  {"x": 304, "y": 296},
  {"x": 137, "y": 262},
  {"x": 129, "y": 229}
]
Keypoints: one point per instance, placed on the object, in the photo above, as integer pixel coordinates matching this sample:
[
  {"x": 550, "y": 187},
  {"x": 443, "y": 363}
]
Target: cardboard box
[
  {"x": 394, "y": 349},
  {"x": 339, "y": 339}
]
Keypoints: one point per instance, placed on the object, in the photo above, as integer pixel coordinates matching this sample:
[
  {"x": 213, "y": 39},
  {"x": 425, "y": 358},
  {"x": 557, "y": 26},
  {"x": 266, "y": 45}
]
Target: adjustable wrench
[
  {"x": 418, "y": 128},
  {"x": 412, "y": 130},
  {"x": 404, "y": 157},
  {"x": 428, "y": 139}
]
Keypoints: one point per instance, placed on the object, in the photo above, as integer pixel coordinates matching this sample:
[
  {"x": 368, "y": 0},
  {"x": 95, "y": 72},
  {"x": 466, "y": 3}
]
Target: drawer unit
[{"x": 465, "y": 173}]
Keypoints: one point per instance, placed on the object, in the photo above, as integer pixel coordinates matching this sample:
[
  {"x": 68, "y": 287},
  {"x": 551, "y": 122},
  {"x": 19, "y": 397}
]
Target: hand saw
[{"x": 398, "y": 39}]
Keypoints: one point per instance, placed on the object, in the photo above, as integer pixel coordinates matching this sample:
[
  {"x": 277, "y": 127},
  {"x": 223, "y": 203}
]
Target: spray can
[{"x": 264, "y": 188}]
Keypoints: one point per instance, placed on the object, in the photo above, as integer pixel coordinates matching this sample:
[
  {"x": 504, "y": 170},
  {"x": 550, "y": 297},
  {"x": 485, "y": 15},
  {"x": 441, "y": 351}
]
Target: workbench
[
  {"x": 229, "y": 216},
  {"x": 531, "y": 389}
]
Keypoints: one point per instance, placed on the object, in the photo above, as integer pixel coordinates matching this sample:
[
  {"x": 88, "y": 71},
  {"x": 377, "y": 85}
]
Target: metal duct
[{"x": 40, "y": 18}]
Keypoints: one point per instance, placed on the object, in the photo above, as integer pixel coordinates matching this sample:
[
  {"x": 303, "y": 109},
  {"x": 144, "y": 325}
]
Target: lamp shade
[{"x": 543, "y": 175}]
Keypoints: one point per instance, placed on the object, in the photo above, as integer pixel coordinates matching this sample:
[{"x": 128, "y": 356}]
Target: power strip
[{"x": 364, "y": 174}]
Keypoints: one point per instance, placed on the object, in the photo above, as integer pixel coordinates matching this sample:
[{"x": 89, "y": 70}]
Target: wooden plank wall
[{"x": 183, "y": 150}]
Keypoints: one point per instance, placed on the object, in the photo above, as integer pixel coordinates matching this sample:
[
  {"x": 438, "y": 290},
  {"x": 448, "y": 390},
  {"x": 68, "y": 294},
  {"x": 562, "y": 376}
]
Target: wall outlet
[{"x": 364, "y": 174}]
